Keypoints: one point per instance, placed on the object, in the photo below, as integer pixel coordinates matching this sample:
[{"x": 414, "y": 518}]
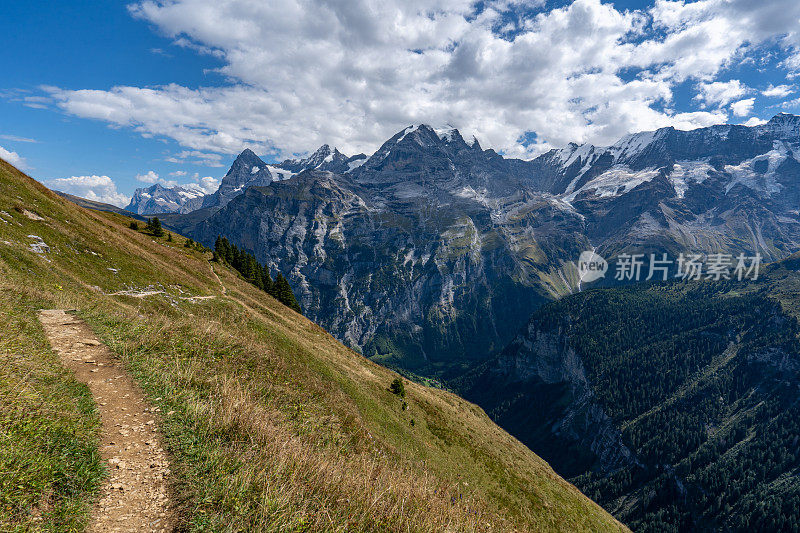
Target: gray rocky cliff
[
  {"x": 538, "y": 390},
  {"x": 435, "y": 250}
]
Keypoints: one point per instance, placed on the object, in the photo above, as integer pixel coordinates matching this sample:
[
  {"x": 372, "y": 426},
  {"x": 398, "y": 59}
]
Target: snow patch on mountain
[
  {"x": 632, "y": 145},
  {"x": 279, "y": 174},
  {"x": 355, "y": 163},
  {"x": 405, "y": 132},
  {"x": 574, "y": 152},
  {"x": 447, "y": 134},
  {"x": 468, "y": 192},
  {"x": 686, "y": 172},
  {"x": 616, "y": 181},
  {"x": 751, "y": 173}
]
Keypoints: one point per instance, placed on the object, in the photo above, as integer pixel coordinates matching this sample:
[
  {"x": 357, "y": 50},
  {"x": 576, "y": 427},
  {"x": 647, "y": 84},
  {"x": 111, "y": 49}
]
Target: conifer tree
[
  {"x": 254, "y": 272},
  {"x": 266, "y": 280},
  {"x": 284, "y": 294},
  {"x": 154, "y": 227}
]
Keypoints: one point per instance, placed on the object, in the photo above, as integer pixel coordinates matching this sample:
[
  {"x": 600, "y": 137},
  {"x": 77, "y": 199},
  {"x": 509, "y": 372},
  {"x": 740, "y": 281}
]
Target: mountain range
[
  {"x": 247, "y": 170},
  {"x": 433, "y": 251},
  {"x": 160, "y": 199},
  {"x": 670, "y": 403},
  {"x": 262, "y": 421}
]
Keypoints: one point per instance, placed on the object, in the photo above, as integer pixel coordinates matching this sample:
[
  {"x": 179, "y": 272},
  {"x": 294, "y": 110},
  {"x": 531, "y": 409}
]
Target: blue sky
[
  {"x": 102, "y": 97},
  {"x": 75, "y": 45}
]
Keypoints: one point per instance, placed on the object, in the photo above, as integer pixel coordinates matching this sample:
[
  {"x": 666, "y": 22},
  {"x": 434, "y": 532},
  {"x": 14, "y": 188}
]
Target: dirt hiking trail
[{"x": 134, "y": 496}]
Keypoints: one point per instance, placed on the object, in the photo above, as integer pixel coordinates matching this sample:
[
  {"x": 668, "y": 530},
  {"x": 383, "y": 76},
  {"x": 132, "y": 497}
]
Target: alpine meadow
[{"x": 400, "y": 266}]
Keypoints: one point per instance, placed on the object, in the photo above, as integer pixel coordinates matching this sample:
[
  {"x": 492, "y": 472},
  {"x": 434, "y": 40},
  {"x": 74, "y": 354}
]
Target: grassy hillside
[{"x": 270, "y": 423}]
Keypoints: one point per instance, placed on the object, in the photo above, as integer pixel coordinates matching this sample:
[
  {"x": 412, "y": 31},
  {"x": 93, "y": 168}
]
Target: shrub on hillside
[{"x": 398, "y": 388}]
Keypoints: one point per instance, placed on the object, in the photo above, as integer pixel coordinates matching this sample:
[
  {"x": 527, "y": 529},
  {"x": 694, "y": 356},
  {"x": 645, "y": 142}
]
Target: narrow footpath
[{"x": 134, "y": 495}]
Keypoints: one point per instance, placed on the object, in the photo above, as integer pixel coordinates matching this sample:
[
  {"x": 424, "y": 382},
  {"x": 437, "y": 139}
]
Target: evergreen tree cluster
[
  {"x": 191, "y": 243},
  {"x": 254, "y": 272},
  {"x": 154, "y": 227},
  {"x": 704, "y": 388}
]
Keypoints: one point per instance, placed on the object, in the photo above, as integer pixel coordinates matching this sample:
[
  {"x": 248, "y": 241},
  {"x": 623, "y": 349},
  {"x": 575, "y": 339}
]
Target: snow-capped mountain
[
  {"x": 323, "y": 159},
  {"x": 723, "y": 187},
  {"x": 578, "y": 169},
  {"x": 430, "y": 231},
  {"x": 159, "y": 199},
  {"x": 246, "y": 171}
]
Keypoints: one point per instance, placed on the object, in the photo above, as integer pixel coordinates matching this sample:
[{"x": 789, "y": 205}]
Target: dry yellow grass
[{"x": 271, "y": 423}]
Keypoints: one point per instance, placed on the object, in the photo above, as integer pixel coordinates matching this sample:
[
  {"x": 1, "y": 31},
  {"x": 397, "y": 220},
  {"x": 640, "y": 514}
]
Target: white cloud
[
  {"x": 151, "y": 177},
  {"x": 205, "y": 184},
  {"x": 97, "y": 188},
  {"x": 742, "y": 108},
  {"x": 778, "y": 91},
  {"x": 197, "y": 157},
  {"x": 304, "y": 72},
  {"x": 755, "y": 121},
  {"x": 720, "y": 93},
  {"x": 14, "y": 158},
  {"x": 18, "y": 139}
]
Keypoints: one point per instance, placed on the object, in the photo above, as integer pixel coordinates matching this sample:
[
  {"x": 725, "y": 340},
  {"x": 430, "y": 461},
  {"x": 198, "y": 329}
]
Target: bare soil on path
[{"x": 134, "y": 495}]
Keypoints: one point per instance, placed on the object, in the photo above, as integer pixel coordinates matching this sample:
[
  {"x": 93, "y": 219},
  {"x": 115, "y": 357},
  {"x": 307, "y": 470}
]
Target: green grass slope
[{"x": 271, "y": 424}]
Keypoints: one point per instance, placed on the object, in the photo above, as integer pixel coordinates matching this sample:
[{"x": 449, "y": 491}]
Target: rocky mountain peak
[
  {"x": 424, "y": 145},
  {"x": 426, "y": 135},
  {"x": 784, "y": 126},
  {"x": 323, "y": 158},
  {"x": 158, "y": 199},
  {"x": 246, "y": 161},
  {"x": 247, "y": 170}
]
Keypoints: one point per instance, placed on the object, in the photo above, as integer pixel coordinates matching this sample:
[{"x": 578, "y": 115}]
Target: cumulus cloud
[
  {"x": 203, "y": 185},
  {"x": 197, "y": 157},
  {"x": 96, "y": 188},
  {"x": 742, "y": 108},
  {"x": 778, "y": 91},
  {"x": 14, "y": 158},
  {"x": 720, "y": 93},
  {"x": 755, "y": 121},
  {"x": 152, "y": 177},
  {"x": 304, "y": 72},
  {"x": 149, "y": 177}
]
